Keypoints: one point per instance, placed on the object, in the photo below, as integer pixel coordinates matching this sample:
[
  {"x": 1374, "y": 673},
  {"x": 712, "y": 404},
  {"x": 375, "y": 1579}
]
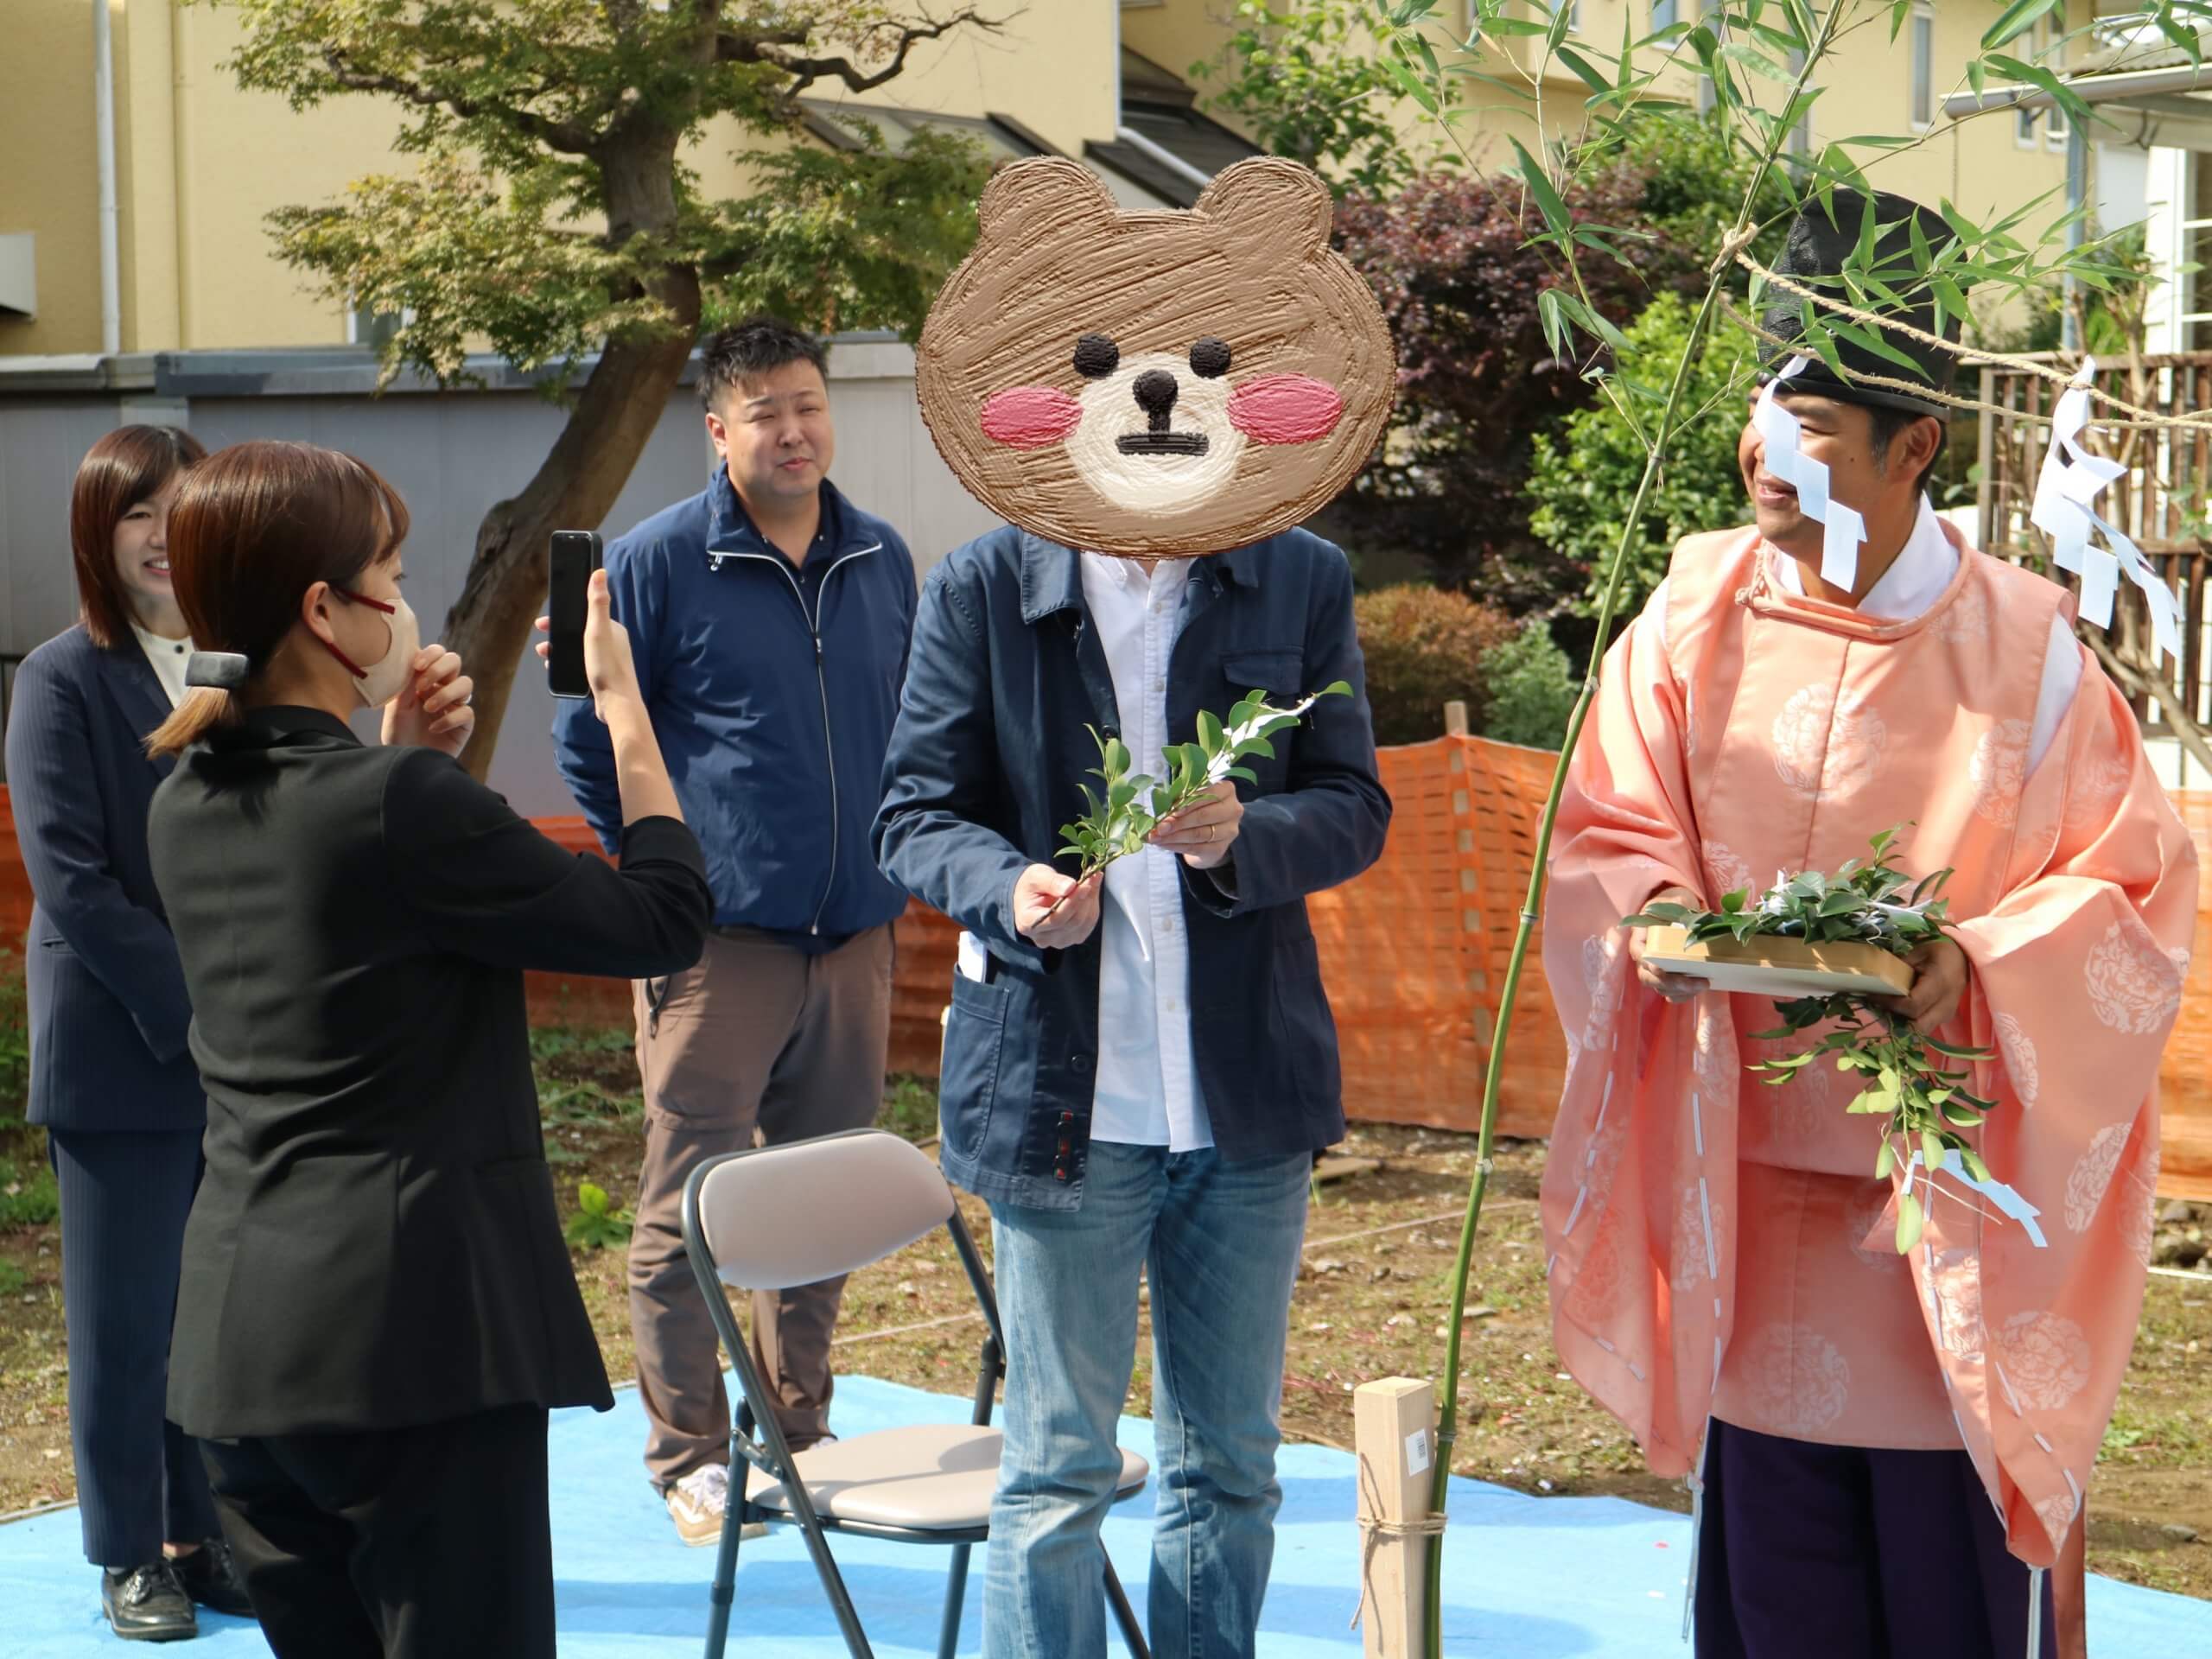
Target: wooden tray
[{"x": 1782, "y": 969}]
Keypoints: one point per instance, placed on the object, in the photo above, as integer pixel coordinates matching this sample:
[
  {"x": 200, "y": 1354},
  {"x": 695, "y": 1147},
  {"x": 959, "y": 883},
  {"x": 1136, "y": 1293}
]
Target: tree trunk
[{"x": 575, "y": 487}]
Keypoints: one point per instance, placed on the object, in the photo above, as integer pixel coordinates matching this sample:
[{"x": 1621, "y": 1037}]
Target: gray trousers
[{"x": 758, "y": 1044}]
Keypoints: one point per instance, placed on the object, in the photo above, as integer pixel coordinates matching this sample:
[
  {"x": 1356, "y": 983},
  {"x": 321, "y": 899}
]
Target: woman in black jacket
[
  {"x": 377, "y": 1308},
  {"x": 109, "y": 1077}
]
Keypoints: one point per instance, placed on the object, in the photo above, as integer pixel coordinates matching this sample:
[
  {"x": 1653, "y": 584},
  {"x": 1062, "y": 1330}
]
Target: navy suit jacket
[
  {"x": 109, "y": 1016},
  {"x": 985, "y": 767}
]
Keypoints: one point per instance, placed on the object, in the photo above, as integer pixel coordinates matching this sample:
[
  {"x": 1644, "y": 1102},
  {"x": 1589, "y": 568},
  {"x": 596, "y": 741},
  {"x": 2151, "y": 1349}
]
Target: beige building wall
[
  {"x": 1978, "y": 165},
  {"x": 48, "y": 171},
  {"x": 200, "y": 164}
]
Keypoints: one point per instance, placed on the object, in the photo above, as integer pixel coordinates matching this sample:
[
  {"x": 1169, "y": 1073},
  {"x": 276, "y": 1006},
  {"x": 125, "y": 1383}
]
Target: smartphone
[{"x": 576, "y": 554}]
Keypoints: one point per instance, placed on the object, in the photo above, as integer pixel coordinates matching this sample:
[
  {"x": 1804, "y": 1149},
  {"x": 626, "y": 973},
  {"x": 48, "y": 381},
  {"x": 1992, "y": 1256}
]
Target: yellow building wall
[
  {"x": 1051, "y": 68},
  {"x": 200, "y": 164},
  {"x": 49, "y": 174},
  {"x": 1976, "y": 164}
]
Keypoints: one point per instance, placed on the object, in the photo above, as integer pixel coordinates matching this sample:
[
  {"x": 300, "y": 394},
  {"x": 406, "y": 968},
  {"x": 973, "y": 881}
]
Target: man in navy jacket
[
  {"x": 1138, "y": 1078},
  {"x": 769, "y": 618}
]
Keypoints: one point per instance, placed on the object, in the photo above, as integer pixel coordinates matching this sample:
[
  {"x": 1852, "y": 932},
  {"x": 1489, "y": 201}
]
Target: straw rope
[
  {"x": 1373, "y": 1529},
  {"x": 2144, "y": 417}
]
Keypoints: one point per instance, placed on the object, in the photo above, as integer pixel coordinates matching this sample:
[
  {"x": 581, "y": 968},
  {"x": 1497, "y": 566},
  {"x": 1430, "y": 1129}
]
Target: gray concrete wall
[{"x": 452, "y": 454}]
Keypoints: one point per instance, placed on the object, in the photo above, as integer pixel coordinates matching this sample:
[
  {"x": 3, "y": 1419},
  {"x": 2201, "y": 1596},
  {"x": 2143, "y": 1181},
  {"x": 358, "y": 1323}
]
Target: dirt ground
[{"x": 1371, "y": 1301}]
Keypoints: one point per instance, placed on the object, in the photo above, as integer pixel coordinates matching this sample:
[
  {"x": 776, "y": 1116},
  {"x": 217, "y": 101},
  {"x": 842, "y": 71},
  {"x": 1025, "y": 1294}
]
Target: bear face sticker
[{"x": 1166, "y": 384}]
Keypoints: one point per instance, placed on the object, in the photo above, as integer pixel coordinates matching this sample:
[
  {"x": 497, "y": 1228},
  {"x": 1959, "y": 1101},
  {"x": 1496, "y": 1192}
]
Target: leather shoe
[
  {"x": 211, "y": 1576},
  {"x": 147, "y": 1603}
]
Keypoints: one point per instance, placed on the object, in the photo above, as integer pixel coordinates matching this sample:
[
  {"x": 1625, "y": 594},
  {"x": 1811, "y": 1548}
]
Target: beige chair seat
[{"x": 930, "y": 1477}]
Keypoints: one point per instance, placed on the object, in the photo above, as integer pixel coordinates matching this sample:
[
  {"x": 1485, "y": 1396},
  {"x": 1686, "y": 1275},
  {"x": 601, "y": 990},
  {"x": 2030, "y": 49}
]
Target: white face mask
[{"x": 383, "y": 680}]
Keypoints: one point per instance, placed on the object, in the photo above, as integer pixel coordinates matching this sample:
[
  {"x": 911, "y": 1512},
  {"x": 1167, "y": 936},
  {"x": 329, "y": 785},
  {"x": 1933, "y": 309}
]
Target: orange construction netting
[{"x": 1415, "y": 954}]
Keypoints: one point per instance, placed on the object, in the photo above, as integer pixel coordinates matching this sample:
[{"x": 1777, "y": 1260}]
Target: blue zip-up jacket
[
  {"x": 772, "y": 696},
  {"x": 985, "y": 767}
]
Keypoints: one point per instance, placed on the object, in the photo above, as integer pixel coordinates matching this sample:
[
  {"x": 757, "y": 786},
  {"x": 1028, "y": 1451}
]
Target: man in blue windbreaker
[{"x": 770, "y": 620}]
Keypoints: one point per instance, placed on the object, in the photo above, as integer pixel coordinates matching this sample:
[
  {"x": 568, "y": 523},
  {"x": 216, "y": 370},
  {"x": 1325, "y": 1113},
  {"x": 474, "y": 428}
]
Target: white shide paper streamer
[
  {"x": 1842, "y": 527},
  {"x": 2006, "y": 1198},
  {"x": 2071, "y": 479}
]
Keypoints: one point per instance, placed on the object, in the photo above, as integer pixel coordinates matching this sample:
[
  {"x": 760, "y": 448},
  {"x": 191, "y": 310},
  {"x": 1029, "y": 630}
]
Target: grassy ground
[{"x": 1371, "y": 1301}]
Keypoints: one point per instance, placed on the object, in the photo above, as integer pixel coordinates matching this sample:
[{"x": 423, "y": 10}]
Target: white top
[
  {"x": 169, "y": 658},
  {"x": 1915, "y": 581},
  {"x": 1147, "y": 1092}
]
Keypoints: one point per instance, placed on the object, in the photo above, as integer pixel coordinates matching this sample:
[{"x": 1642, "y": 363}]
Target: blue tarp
[{"x": 1519, "y": 1585}]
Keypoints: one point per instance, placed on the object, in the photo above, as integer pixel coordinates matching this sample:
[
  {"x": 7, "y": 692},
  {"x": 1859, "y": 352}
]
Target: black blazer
[
  {"x": 107, "y": 1005},
  {"x": 375, "y": 1243}
]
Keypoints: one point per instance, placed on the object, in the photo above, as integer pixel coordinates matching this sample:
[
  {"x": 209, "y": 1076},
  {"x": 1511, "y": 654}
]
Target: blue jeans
[{"x": 1220, "y": 1243}]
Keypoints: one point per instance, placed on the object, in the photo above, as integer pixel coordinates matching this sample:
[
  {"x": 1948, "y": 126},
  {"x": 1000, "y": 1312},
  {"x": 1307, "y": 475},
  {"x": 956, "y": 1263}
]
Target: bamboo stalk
[{"x": 1447, "y": 1430}]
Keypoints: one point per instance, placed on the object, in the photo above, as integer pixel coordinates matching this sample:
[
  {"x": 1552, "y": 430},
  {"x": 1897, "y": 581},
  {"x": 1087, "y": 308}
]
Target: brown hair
[
  {"x": 255, "y": 527},
  {"x": 129, "y": 465}
]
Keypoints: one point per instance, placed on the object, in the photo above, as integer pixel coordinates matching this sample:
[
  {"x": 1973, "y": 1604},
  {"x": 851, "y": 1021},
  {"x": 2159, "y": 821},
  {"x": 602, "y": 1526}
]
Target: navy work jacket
[{"x": 984, "y": 768}]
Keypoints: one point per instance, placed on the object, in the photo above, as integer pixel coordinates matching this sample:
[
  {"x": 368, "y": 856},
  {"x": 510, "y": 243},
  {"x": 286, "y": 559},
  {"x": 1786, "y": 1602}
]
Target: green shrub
[
  {"x": 1531, "y": 690},
  {"x": 15, "y": 1043},
  {"x": 1582, "y": 480},
  {"x": 1425, "y": 647},
  {"x": 28, "y": 1196}
]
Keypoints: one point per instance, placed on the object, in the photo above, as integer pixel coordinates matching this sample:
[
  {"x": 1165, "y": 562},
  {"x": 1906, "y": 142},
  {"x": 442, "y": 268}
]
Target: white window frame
[
  {"x": 2052, "y": 30},
  {"x": 1920, "y": 85},
  {"x": 1801, "y": 135},
  {"x": 2191, "y": 289},
  {"x": 1706, "y": 97},
  {"x": 359, "y": 322}
]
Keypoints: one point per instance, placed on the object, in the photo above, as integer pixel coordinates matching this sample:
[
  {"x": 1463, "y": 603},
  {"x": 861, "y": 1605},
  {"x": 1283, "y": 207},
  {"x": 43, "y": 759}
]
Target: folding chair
[{"x": 775, "y": 1217}]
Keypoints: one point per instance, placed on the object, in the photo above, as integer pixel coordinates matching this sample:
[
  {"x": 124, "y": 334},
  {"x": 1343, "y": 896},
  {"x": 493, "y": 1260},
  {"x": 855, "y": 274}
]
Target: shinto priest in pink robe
[{"x": 1720, "y": 1249}]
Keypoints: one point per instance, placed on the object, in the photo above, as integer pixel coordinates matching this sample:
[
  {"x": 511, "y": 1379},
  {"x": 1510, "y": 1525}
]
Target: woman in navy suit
[{"x": 111, "y": 1077}]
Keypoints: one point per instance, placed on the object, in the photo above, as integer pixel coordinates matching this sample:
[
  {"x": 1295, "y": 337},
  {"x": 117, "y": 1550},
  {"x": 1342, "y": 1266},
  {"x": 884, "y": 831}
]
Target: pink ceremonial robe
[{"x": 1717, "y": 1246}]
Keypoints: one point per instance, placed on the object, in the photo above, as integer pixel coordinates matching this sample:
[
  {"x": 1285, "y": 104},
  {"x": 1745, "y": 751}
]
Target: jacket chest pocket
[{"x": 1277, "y": 671}]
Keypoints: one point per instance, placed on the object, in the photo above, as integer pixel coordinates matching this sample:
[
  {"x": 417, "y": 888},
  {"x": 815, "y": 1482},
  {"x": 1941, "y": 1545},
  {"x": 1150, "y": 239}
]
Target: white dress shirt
[
  {"x": 1915, "y": 581},
  {"x": 1148, "y": 1092},
  {"x": 169, "y": 658}
]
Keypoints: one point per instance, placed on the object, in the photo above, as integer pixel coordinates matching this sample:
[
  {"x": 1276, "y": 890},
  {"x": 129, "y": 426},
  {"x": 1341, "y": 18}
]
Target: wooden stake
[
  {"x": 1394, "y": 1435},
  {"x": 1455, "y": 718}
]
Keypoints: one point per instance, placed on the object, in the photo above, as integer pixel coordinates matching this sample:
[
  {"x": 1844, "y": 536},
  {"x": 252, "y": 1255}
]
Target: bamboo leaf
[
  {"x": 1757, "y": 61},
  {"x": 1581, "y": 66},
  {"x": 1910, "y": 1222},
  {"x": 1549, "y": 202},
  {"x": 2015, "y": 21}
]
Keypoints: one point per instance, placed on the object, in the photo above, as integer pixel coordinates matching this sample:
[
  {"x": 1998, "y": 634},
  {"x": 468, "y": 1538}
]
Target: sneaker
[
  {"x": 210, "y": 1576},
  {"x": 698, "y": 1503},
  {"x": 148, "y": 1604}
]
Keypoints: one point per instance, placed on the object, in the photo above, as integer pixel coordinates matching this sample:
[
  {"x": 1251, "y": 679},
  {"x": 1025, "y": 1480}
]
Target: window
[
  {"x": 374, "y": 328},
  {"x": 1923, "y": 111},
  {"x": 2044, "y": 45},
  {"x": 2194, "y": 300},
  {"x": 1664, "y": 15},
  {"x": 2052, "y": 32},
  {"x": 1573, "y": 16},
  {"x": 1801, "y": 135},
  {"x": 1714, "y": 12}
]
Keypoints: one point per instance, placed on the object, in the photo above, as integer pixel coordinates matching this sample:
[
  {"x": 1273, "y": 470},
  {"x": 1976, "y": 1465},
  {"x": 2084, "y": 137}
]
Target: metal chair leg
[
  {"x": 724, "y": 1589},
  {"x": 1124, "y": 1615},
  {"x": 955, "y": 1592}
]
